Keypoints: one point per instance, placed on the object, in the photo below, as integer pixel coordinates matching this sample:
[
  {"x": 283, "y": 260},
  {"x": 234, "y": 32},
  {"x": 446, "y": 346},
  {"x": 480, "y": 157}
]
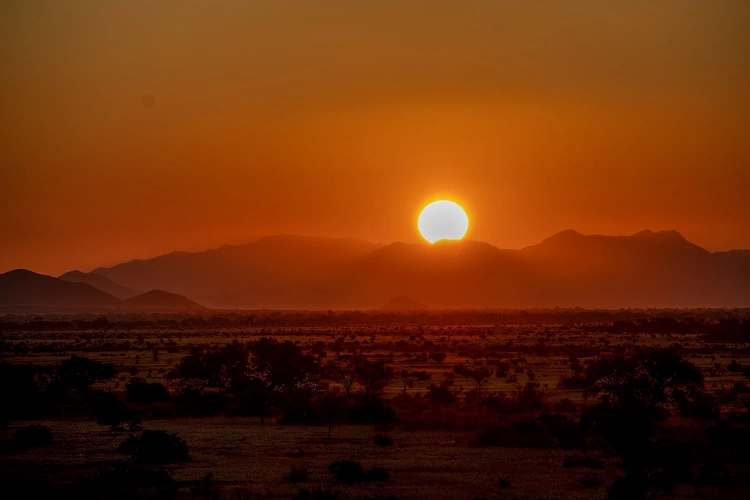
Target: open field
[{"x": 433, "y": 452}]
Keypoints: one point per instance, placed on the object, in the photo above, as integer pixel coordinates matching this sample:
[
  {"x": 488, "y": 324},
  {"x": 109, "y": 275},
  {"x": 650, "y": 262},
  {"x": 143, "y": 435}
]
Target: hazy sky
[{"x": 133, "y": 128}]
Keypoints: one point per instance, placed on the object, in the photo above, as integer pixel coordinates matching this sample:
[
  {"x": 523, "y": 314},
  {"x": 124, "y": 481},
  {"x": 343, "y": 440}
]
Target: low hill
[
  {"x": 103, "y": 283},
  {"x": 21, "y": 287},
  {"x": 161, "y": 301}
]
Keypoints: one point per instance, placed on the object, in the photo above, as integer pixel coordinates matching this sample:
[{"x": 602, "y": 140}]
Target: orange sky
[{"x": 344, "y": 118}]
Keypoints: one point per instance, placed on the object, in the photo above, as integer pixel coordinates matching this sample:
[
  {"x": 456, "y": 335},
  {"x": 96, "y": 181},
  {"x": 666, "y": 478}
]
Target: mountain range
[
  {"x": 568, "y": 269},
  {"x": 21, "y": 289}
]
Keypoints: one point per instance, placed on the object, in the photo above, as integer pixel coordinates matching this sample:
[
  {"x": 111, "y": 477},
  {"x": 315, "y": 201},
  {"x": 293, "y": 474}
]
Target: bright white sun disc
[{"x": 442, "y": 220}]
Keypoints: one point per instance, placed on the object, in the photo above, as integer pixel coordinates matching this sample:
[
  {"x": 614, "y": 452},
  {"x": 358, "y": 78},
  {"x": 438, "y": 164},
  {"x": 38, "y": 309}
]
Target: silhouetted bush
[
  {"x": 441, "y": 394},
  {"x": 371, "y": 412},
  {"x": 107, "y": 409},
  {"x": 201, "y": 404},
  {"x": 590, "y": 481},
  {"x": 159, "y": 447},
  {"x": 567, "y": 432},
  {"x": 33, "y": 436},
  {"x": 382, "y": 440},
  {"x": 300, "y": 416},
  {"x": 588, "y": 461},
  {"x": 378, "y": 474},
  {"x": 523, "y": 433},
  {"x": 140, "y": 391},
  {"x": 205, "y": 488},
  {"x": 347, "y": 471},
  {"x": 297, "y": 475},
  {"x": 317, "y": 493}
]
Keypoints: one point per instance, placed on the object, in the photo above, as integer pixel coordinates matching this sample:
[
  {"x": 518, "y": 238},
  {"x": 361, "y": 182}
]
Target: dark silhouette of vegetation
[
  {"x": 383, "y": 440},
  {"x": 141, "y": 391},
  {"x": 156, "y": 447},
  {"x": 258, "y": 373},
  {"x": 347, "y": 471},
  {"x": 297, "y": 475},
  {"x": 33, "y": 436},
  {"x": 319, "y": 492}
]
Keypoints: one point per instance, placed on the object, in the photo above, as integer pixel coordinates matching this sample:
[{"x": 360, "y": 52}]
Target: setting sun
[{"x": 443, "y": 220}]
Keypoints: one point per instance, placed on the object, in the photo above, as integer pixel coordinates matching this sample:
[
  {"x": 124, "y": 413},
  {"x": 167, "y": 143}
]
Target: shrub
[
  {"x": 588, "y": 461},
  {"x": 33, "y": 436},
  {"x": 140, "y": 391},
  {"x": 382, "y": 440},
  {"x": 590, "y": 481},
  {"x": 371, "y": 412},
  {"x": 297, "y": 475},
  {"x": 377, "y": 474},
  {"x": 107, "y": 409},
  {"x": 159, "y": 447},
  {"x": 441, "y": 394},
  {"x": 317, "y": 493},
  {"x": 524, "y": 433},
  {"x": 347, "y": 471},
  {"x": 205, "y": 488},
  {"x": 201, "y": 405}
]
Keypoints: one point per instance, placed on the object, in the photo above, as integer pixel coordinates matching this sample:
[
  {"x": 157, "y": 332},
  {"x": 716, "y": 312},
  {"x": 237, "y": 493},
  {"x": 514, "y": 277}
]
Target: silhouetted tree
[
  {"x": 635, "y": 392},
  {"x": 331, "y": 407},
  {"x": 80, "y": 373},
  {"x": 374, "y": 376},
  {"x": 343, "y": 369},
  {"x": 257, "y": 372},
  {"x": 480, "y": 375},
  {"x": 408, "y": 377}
]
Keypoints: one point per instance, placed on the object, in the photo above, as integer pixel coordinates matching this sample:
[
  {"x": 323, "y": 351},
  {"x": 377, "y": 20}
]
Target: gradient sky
[{"x": 130, "y": 129}]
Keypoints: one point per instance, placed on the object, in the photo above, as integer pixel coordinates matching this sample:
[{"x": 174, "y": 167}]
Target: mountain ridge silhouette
[
  {"x": 644, "y": 269},
  {"x": 568, "y": 269}
]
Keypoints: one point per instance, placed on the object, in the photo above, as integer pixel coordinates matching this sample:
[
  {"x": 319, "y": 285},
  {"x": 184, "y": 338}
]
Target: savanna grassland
[{"x": 455, "y": 404}]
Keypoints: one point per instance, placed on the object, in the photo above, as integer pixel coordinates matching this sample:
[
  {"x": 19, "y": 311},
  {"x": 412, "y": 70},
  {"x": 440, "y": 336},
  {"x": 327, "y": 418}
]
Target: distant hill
[
  {"x": 22, "y": 288},
  {"x": 403, "y": 303},
  {"x": 26, "y": 288},
  {"x": 273, "y": 272},
  {"x": 568, "y": 269},
  {"x": 161, "y": 301},
  {"x": 101, "y": 282}
]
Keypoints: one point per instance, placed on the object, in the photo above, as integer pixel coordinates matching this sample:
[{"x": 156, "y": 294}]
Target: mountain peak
[{"x": 663, "y": 235}]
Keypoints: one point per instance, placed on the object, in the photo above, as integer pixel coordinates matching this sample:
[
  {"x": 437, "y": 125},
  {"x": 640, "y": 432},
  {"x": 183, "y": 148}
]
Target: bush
[
  {"x": 371, "y": 412},
  {"x": 297, "y": 475},
  {"x": 441, "y": 394},
  {"x": 140, "y": 391},
  {"x": 107, "y": 409},
  {"x": 524, "y": 433},
  {"x": 382, "y": 440},
  {"x": 33, "y": 436},
  {"x": 589, "y": 480},
  {"x": 347, "y": 471},
  {"x": 160, "y": 447},
  {"x": 588, "y": 461},
  {"x": 378, "y": 474},
  {"x": 201, "y": 405},
  {"x": 317, "y": 493}
]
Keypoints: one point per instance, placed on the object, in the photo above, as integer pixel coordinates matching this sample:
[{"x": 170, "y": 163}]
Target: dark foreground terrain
[{"x": 444, "y": 405}]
